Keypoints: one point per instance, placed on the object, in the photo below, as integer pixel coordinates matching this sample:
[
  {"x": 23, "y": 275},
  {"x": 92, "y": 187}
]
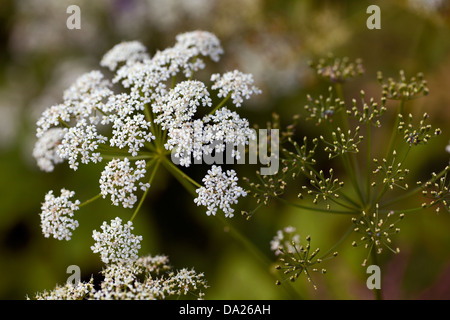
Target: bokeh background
[{"x": 273, "y": 40}]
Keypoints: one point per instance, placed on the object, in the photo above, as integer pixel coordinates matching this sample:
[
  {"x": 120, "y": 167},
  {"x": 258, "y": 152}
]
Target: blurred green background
[{"x": 273, "y": 40}]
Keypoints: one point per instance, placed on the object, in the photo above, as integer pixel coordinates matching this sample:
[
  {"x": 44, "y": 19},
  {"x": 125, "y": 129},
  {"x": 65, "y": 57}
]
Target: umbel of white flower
[
  {"x": 147, "y": 278},
  {"x": 56, "y": 215},
  {"x": 116, "y": 243},
  {"x": 45, "y": 150},
  {"x": 119, "y": 181},
  {"x": 151, "y": 103},
  {"x": 220, "y": 191}
]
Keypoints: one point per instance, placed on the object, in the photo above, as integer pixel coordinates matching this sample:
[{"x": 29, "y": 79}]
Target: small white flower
[
  {"x": 285, "y": 239},
  {"x": 185, "y": 280},
  {"x": 174, "y": 60},
  {"x": 127, "y": 51},
  {"x": 184, "y": 56},
  {"x": 220, "y": 190},
  {"x": 45, "y": 149},
  {"x": 120, "y": 283},
  {"x": 213, "y": 132},
  {"x": 83, "y": 290},
  {"x": 83, "y": 100},
  {"x": 131, "y": 132},
  {"x": 146, "y": 79},
  {"x": 80, "y": 143},
  {"x": 89, "y": 87},
  {"x": 186, "y": 142},
  {"x": 57, "y": 213},
  {"x": 236, "y": 83},
  {"x": 180, "y": 104},
  {"x": 201, "y": 42},
  {"x": 119, "y": 179},
  {"x": 120, "y": 106},
  {"x": 447, "y": 148},
  {"x": 225, "y": 127},
  {"x": 116, "y": 243},
  {"x": 52, "y": 117},
  {"x": 87, "y": 96},
  {"x": 154, "y": 264}
]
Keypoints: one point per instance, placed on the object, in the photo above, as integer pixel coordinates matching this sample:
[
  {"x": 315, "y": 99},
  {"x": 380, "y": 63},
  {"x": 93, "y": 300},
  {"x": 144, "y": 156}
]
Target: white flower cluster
[
  {"x": 236, "y": 83},
  {"x": 118, "y": 179},
  {"x": 146, "y": 77},
  {"x": 200, "y": 43},
  {"x": 183, "y": 281},
  {"x": 180, "y": 104},
  {"x": 226, "y": 127},
  {"x": 83, "y": 101},
  {"x": 447, "y": 148},
  {"x": 147, "y": 278},
  {"x": 93, "y": 122},
  {"x": 80, "y": 142},
  {"x": 193, "y": 139},
  {"x": 57, "y": 213},
  {"x": 116, "y": 243},
  {"x": 46, "y": 149},
  {"x": 121, "y": 282},
  {"x": 220, "y": 190},
  {"x": 131, "y": 132},
  {"x": 285, "y": 239},
  {"x": 67, "y": 292},
  {"x": 127, "y": 51},
  {"x": 186, "y": 142}
]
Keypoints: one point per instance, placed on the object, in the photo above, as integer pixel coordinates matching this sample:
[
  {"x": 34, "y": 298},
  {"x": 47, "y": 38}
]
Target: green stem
[
  {"x": 346, "y": 161},
  {"x": 90, "y": 200},
  {"x": 263, "y": 259},
  {"x": 174, "y": 81},
  {"x": 181, "y": 176},
  {"x": 191, "y": 186},
  {"x": 64, "y": 124},
  {"x": 148, "y": 115},
  {"x": 221, "y": 104},
  {"x": 395, "y": 130},
  {"x": 139, "y": 157},
  {"x": 344, "y": 205},
  {"x": 340, "y": 95},
  {"x": 407, "y": 210},
  {"x": 368, "y": 161},
  {"x": 332, "y": 249},
  {"x": 152, "y": 176},
  {"x": 156, "y": 131},
  {"x": 114, "y": 150},
  {"x": 380, "y": 195},
  {"x": 315, "y": 209},
  {"x": 351, "y": 172},
  {"x": 101, "y": 111},
  {"x": 163, "y": 138},
  {"x": 339, "y": 91},
  {"x": 348, "y": 199}
]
